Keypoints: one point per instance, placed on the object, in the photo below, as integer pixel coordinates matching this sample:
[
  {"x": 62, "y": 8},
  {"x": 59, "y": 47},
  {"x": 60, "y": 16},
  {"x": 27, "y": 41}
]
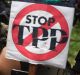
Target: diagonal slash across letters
[{"x": 58, "y": 18}]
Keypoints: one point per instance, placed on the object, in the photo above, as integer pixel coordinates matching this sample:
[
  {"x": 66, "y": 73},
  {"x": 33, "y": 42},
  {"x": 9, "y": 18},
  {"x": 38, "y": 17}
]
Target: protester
[{"x": 6, "y": 65}]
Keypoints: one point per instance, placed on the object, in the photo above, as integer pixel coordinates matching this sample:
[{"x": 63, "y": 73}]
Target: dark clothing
[
  {"x": 24, "y": 66},
  {"x": 69, "y": 3},
  {"x": 2, "y": 6},
  {"x": 76, "y": 67},
  {"x": 78, "y": 57},
  {"x": 4, "y": 12}
]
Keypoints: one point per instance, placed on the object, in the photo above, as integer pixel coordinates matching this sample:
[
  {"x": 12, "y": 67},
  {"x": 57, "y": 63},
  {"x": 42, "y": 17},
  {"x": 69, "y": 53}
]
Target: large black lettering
[
  {"x": 20, "y": 34},
  {"x": 50, "y": 21},
  {"x": 28, "y": 20},
  {"x": 42, "y": 22},
  {"x": 53, "y": 39},
  {"x": 64, "y": 38},
  {"x": 35, "y": 35},
  {"x": 34, "y": 20}
]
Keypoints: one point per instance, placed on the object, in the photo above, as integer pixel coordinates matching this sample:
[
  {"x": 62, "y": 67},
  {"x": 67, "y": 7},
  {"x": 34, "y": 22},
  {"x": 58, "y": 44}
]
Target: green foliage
[
  {"x": 74, "y": 44},
  {"x": 53, "y": 0}
]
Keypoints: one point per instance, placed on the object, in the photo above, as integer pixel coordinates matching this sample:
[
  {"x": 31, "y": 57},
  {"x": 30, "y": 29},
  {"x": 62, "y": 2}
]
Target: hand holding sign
[{"x": 42, "y": 33}]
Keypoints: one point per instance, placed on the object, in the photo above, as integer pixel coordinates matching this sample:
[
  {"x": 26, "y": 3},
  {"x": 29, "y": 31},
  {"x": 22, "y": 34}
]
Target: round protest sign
[{"x": 45, "y": 31}]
